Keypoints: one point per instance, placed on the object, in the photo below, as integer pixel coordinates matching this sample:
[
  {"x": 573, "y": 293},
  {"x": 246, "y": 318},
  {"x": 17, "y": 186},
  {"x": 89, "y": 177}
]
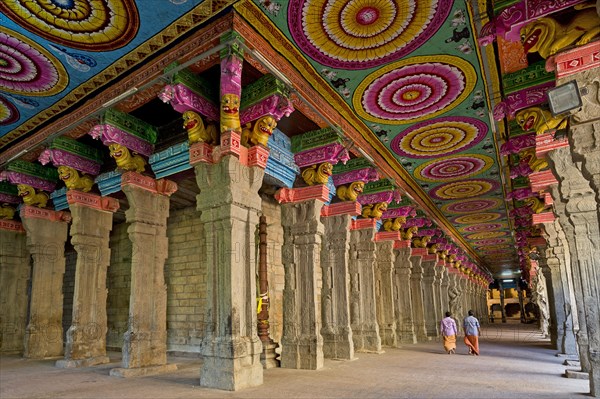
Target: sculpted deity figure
[
  {"x": 260, "y": 132},
  {"x": 197, "y": 132},
  {"x": 313, "y": 175},
  {"x": 125, "y": 160},
  {"x": 230, "y": 113},
  {"x": 72, "y": 179},
  {"x": 350, "y": 192},
  {"x": 547, "y": 37},
  {"x": 31, "y": 197}
]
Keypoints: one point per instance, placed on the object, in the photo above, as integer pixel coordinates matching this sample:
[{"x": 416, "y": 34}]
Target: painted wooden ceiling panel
[{"x": 411, "y": 71}]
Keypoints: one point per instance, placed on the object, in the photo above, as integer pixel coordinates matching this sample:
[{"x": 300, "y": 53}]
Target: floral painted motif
[
  {"x": 8, "y": 112},
  {"x": 453, "y": 168},
  {"x": 477, "y": 218},
  {"x": 472, "y": 205},
  {"x": 463, "y": 189}
]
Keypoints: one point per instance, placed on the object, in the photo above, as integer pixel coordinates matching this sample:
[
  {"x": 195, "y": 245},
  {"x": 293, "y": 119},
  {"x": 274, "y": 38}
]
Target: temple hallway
[{"x": 515, "y": 362}]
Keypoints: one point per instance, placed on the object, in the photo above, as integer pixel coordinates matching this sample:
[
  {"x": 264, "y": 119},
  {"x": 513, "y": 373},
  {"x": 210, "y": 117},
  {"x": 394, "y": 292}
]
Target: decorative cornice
[
  {"x": 161, "y": 186},
  {"x": 11, "y": 225},
  {"x": 291, "y": 195},
  {"x": 521, "y": 99},
  {"x": 389, "y": 236},
  {"x": 402, "y": 244},
  {"x": 94, "y": 201},
  {"x": 359, "y": 224},
  {"x": 546, "y": 142},
  {"x": 418, "y": 252},
  {"x": 544, "y": 217},
  {"x": 341, "y": 208},
  {"x": 573, "y": 61},
  {"x": 540, "y": 181},
  {"x": 182, "y": 99},
  {"x": 48, "y": 214}
]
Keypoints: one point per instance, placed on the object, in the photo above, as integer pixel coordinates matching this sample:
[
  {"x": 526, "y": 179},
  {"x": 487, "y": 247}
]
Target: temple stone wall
[
  {"x": 276, "y": 274},
  {"x": 68, "y": 288}
]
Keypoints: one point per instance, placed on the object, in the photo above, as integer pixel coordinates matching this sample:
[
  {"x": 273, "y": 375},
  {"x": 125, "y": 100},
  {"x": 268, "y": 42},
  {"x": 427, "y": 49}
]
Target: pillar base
[
  {"x": 75, "y": 363},
  {"x": 573, "y": 356},
  {"x": 142, "y": 371},
  {"x": 573, "y": 363},
  {"x": 579, "y": 375},
  {"x": 268, "y": 357}
]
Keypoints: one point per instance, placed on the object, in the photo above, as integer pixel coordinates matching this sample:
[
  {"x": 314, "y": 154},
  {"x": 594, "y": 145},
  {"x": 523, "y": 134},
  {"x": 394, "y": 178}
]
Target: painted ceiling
[{"x": 411, "y": 71}]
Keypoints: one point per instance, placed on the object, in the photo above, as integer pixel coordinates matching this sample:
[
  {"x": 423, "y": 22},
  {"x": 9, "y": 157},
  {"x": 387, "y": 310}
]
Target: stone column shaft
[
  {"x": 402, "y": 295},
  {"x": 384, "y": 293},
  {"x": 363, "y": 311},
  {"x": 302, "y": 343},
  {"x": 336, "y": 330},
  {"x": 416, "y": 292},
  {"x": 46, "y": 236},
  {"x": 431, "y": 311},
  {"x": 15, "y": 269}
]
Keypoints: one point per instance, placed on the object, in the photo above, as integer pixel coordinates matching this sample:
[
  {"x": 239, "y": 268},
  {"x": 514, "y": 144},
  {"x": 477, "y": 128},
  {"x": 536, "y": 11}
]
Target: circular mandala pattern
[
  {"x": 477, "y": 218},
  {"x": 8, "y": 112},
  {"x": 92, "y": 25},
  {"x": 415, "y": 89},
  {"x": 486, "y": 234},
  {"x": 453, "y": 168},
  {"x": 482, "y": 227},
  {"x": 463, "y": 189},
  {"x": 362, "y": 34},
  {"x": 443, "y": 136},
  {"x": 472, "y": 205},
  {"x": 490, "y": 243},
  {"x": 27, "y": 68}
]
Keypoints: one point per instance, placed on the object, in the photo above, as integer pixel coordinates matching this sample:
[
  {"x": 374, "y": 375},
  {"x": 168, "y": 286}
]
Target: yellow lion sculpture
[
  {"x": 540, "y": 120},
  {"x": 125, "y": 160},
  {"x": 7, "y": 212},
  {"x": 394, "y": 224},
  {"x": 374, "y": 211},
  {"x": 73, "y": 181},
  {"x": 407, "y": 234},
  {"x": 313, "y": 175},
  {"x": 260, "y": 132},
  {"x": 433, "y": 249},
  {"x": 421, "y": 242},
  {"x": 230, "y": 113},
  {"x": 31, "y": 197},
  {"x": 547, "y": 37},
  {"x": 196, "y": 130},
  {"x": 535, "y": 164},
  {"x": 535, "y": 204},
  {"x": 350, "y": 192}
]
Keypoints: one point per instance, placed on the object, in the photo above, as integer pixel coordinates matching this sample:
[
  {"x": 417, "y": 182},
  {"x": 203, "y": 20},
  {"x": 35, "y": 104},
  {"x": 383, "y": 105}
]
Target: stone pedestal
[
  {"x": 363, "y": 309},
  {"x": 230, "y": 205},
  {"x": 335, "y": 295},
  {"x": 90, "y": 230},
  {"x": 46, "y": 236},
  {"x": 384, "y": 292},
  {"x": 416, "y": 293},
  {"x": 405, "y": 330},
  {"x": 145, "y": 342},
  {"x": 302, "y": 343},
  {"x": 14, "y": 273},
  {"x": 430, "y": 306}
]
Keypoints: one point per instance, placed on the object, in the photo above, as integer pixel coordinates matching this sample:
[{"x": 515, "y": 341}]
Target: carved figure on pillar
[
  {"x": 230, "y": 113},
  {"x": 317, "y": 175},
  {"x": 72, "y": 179},
  {"x": 394, "y": 224},
  {"x": 260, "y": 132},
  {"x": 31, "y": 196},
  {"x": 197, "y": 131},
  {"x": 421, "y": 242},
  {"x": 374, "y": 211},
  {"x": 540, "y": 120},
  {"x": 408, "y": 233},
  {"x": 350, "y": 192},
  {"x": 125, "y": 159},
  {"x": 535, "y": 204},
  {"x": 7, "y": 211}
]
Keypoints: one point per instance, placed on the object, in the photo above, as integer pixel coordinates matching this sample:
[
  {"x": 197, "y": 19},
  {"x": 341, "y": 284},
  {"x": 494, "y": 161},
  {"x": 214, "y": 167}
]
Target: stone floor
[{"x": 515, "y": 362}]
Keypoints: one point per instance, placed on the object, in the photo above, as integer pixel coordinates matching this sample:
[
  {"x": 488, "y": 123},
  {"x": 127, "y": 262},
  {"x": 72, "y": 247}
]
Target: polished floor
[{"x": 515, "y": 362}]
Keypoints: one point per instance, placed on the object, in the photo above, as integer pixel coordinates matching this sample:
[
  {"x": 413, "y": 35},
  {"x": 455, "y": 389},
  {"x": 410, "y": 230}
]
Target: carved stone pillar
[
  {"x": 431, "y": 309},
  {"x": 363, "y": 311},
  {"x": 302, "y": 343},
  {"x": 15, "y": 269},
  {"x": 46, "y": 236},
  {"x": 384, "y": 292},
  {"x": 230, "y": 204},
  {"x": 439, "y": 275},
  {"x": 454, "y": 295},
  {"x": 336, "y": 330},
  {"x": 90, "y": 230},
  {"x": 416, "y": 292},
  {"x": 502, "y": 309},
  {"x": 405, "y": 330},
  {"x": 444, "y": 284},
  {"x": 145, "y": 342},
  {"x": 582, "y": 211}
]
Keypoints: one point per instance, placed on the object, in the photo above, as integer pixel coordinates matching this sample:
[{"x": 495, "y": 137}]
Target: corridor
[{"x": 515, "y": 362}]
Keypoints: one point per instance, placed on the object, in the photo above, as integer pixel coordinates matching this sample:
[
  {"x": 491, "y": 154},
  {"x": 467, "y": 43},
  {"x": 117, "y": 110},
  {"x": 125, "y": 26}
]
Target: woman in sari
[
  {"x": 472, "y": 332},
  {"x": 448, "y": 331}
]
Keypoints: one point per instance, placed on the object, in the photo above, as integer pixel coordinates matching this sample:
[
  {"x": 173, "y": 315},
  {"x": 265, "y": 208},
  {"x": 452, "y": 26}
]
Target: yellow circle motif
[
  {"x": 486, "y": 235},
  {"x": 477, "y": 218}
]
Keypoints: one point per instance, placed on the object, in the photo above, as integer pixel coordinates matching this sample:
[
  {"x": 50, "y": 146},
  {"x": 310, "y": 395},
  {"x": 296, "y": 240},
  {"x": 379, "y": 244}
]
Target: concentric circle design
[
  {"x": 27, "y": 68},
  {"x": 443, "y": 136},
  {"x": 92, "y": 25},
  {"x": 482, "y": 227},
  {"x": 463, "y": 189},
  {"x": 492, "y": 244},
  {"x": 472, "y": 205},
  {"x": 486, "y": 234},
  {"x": 8, "y": 112},
  {"x": 453, "y": 168},
  {"x": 362, "y": 34},
  {"x": 415, "y": 89},
  {"x": 477, "y": 218}
]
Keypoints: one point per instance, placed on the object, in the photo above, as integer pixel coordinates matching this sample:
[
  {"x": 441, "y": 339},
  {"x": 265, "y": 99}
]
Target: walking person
[
  {"x": 472, "y": 332},
  {"x": 449, "y": 332}
]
